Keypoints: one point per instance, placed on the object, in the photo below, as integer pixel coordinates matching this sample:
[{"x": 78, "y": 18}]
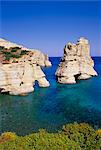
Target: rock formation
[
  {"x": 20, "y": 67},
  {"x": 76, "y": 63}
]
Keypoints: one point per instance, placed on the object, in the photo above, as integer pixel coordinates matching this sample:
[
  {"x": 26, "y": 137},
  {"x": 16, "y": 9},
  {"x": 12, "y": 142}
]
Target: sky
[{"x": 49, "y": 25}]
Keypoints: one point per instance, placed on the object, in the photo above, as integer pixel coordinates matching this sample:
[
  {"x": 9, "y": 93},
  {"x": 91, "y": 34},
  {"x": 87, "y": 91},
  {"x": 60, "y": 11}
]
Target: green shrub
[
  {"x": 83, "y": 134},
  {"x": 13, "y": 50},
  {"x": 71, "y": 137},
  {"x": 15, "y": 56},
  {"x": 9, "y": 53},
  {"x": 7, "y": 136},
  {"x": 2, "y": 48},
  {"x": 41, "y": 141},
  {"x": 23, "y": 52},
  {"x": 98, "y": 131}
]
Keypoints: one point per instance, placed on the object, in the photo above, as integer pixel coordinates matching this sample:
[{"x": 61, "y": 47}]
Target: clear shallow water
[{"x": 52, "y": 107}]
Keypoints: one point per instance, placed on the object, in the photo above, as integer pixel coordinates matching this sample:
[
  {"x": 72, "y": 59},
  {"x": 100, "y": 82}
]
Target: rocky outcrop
[
  {"x": 33, "y": 55},
  {"x": 18, "y": 75},
  {"x": 76, "y": 63}
]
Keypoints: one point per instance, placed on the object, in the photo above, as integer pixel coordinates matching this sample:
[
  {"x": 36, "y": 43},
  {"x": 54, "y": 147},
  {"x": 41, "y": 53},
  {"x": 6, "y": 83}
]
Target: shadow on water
[{"x": 52, "y": 107}]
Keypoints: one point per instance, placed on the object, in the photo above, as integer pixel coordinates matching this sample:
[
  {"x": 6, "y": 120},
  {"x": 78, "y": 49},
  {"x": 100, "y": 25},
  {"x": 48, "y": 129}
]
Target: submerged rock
[
  {"x": 76, "y": 63},
  {"x": 20, "y": 67}
]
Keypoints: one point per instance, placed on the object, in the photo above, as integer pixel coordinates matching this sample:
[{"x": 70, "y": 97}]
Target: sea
[{"x": 51, "y": 108}]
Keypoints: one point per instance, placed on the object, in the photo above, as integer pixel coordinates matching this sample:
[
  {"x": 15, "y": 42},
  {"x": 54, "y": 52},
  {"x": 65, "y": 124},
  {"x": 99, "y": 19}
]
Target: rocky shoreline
[{"x": 18, "y": 75}]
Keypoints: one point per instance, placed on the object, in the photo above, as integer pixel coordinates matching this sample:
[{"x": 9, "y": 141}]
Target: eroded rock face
[
  {"x": 18, "y": 76},
  {"x": 76, "y": 63}
]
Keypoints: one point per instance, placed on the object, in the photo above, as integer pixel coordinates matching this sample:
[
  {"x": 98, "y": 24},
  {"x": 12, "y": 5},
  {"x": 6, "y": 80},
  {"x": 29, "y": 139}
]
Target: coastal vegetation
[
  {"x": 1, "y": 48},
  {"x": 12, "y": 52},
  {"x": 70, "y": 137}
]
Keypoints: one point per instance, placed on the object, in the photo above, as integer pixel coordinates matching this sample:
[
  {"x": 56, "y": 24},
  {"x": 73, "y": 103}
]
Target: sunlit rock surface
[
  {"x": 18, "y": 75},
  {"x": 76, "y": 63}
]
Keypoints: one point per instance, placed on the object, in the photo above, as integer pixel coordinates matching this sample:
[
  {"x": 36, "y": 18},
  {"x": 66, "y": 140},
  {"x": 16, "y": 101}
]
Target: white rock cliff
[
  {"x": 19, "y": 75},
  {"x": 76, "y": 63}
]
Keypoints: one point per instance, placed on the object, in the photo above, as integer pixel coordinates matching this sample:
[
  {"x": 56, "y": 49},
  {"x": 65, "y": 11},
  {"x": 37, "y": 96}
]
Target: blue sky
[{"x": 49, "y": 25}]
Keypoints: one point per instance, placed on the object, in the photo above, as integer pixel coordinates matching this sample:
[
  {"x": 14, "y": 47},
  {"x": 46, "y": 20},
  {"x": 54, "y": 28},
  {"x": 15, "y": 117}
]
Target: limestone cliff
[
  {"x": 76, "y": 63},
  {"x": 20, "y": 67}
]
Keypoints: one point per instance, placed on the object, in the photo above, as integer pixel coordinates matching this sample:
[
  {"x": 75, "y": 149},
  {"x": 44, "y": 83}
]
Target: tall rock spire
[{"x": 76, "y": 63}]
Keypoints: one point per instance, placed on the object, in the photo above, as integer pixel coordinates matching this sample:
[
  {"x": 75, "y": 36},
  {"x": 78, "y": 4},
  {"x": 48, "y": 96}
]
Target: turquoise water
[{"x": 52, "y": 107}]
